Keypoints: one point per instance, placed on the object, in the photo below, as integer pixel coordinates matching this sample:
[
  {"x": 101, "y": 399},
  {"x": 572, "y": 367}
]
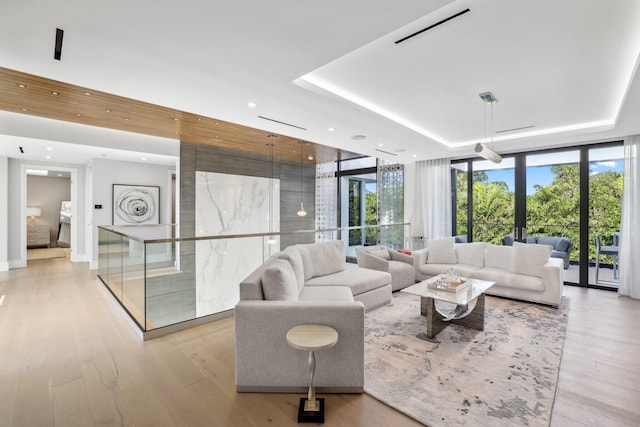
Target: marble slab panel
[{"x": 225, "y": 205}]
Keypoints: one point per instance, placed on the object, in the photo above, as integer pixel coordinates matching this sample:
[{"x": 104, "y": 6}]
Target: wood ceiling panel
[{"x": 37, "y": 96}]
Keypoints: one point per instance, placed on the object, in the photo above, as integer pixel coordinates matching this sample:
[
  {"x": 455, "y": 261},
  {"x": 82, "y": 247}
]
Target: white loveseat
[
  {"x": 522, "y": 271},
  {"x": 305, "y": 284}
]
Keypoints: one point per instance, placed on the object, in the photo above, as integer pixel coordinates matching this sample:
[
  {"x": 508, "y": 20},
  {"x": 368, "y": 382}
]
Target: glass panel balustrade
[{"x": 162, "y": 280}]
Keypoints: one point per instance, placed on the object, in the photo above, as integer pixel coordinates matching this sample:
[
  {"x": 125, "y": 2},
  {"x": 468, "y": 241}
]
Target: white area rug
[
  {"x": 45, "y": 253},
  {"x": 505, "y": 375}
]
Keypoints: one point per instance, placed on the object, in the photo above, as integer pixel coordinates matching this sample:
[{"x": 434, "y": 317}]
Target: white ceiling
[{"x": 566, "y": 68}]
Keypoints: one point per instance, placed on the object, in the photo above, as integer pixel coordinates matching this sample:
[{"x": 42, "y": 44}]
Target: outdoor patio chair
[{"x": 606, "y": 250}]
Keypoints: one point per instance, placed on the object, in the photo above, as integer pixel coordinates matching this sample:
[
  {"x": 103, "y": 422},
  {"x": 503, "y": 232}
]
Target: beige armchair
[{"x": 400, "y": 266}]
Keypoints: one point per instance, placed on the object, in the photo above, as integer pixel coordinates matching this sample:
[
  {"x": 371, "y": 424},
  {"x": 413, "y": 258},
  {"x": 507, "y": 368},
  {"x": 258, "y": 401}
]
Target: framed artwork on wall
[{"x": 136, "y": 204}]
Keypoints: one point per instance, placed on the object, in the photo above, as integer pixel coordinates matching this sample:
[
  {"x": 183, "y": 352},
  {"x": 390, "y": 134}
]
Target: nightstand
[{"x": 38, "y": 236}]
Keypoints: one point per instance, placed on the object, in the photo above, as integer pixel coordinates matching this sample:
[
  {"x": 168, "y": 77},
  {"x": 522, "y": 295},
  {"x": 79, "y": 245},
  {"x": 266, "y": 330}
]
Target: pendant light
[
  {"x": 272, "y": 239},
  {"x": 301, "y": 211},
  {"x": 481, "y": 149}
]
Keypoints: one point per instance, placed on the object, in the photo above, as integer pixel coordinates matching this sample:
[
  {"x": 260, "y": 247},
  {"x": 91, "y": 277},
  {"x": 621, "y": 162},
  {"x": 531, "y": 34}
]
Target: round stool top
[{"x": 312, "y": 337}]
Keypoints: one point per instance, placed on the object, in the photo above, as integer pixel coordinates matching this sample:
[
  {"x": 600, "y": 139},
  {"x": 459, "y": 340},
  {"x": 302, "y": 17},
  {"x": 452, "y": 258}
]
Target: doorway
[{"x": 43, "y": 189}]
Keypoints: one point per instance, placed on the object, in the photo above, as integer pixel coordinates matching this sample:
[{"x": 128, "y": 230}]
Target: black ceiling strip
[
  {"x": 282, "y": 123},
  {"x": 433, "y": 26},
  {"x": 386, "y": 152},
  {"x": 57, "y": 53},
  {"x": 514, "y": 129}
]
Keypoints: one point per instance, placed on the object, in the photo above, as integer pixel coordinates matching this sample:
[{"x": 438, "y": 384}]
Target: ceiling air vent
[
  {"x": 282, "y": 123},
  {"x": 433, "y": 26}
]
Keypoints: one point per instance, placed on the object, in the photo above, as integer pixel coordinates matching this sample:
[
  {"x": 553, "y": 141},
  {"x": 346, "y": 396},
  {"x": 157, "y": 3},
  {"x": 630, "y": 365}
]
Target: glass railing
[{"x": 162, "y": 280}]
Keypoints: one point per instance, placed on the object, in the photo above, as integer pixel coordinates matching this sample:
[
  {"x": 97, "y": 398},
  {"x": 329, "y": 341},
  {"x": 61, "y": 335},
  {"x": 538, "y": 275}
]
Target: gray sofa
[
  {"x": 521, "y": 271},
  {"x": 301, "y": 285},
  {"x": 561, "y": 245},
  {"x": 400, "y": 266}
]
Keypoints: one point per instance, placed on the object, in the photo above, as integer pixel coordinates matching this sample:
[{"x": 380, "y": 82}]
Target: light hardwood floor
[{"x": 69, "y": 357}]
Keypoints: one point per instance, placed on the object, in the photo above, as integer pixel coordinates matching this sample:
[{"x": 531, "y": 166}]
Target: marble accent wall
[{"x": 231, "y": 204}]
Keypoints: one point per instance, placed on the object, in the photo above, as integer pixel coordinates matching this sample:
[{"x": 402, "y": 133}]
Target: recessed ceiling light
[
  {"x": 310, "y": 157},
  {"x": 87, "y": 93},
  {"x": 22, "y": 85},
  {"x": 176, "y": 119},
  {"x": 381, "y": 145},
  {"x": 53, "y": 92},
  {"x": 49, "y": 148},
  {"x": 108, "y": 110},
  {"x": 414, "y": 156},
  {"x": 59, "y": 174},
  {"x": 252, "y": 104},
  {"x": 331, "y": 129},
  {"x": 144, "y": 159},
  {"x": 126, "y": 119},
  {"x": 47, "y": 157},
  {"x": 24, "y": 109},
  {"x": 358, "y": 137},
  {"x": 78, "y": 114}
]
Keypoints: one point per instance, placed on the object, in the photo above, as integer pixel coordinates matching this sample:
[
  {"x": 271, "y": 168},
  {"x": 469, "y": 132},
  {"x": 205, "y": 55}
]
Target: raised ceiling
[
  {"x": 563, "y": 72},
  {"x": 37, "y": 96}
]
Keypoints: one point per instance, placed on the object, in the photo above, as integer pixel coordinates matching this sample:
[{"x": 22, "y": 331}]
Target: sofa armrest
[
  {"x": 420, "y": 257},
  {"x": 397, "y": 256},
  {"x": 265, "y": 362},
  {"x": 372, "y": 262},
  {"x": 553, "y": 279}
]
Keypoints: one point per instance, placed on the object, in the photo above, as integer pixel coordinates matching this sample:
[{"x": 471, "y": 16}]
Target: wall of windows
[{"x": 573, "y": 193}]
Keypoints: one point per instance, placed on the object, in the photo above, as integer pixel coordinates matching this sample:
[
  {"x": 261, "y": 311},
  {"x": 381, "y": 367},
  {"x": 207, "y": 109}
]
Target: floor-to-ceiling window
[
  {"x": 358, "y": 201},
  {"x": 573, "y": 193},
  {"x": 605, "y": 212}
]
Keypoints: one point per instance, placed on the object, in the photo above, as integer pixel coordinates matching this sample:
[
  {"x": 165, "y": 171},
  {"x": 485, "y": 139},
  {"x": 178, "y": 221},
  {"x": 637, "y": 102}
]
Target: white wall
[{"x": 103, "y": 173}]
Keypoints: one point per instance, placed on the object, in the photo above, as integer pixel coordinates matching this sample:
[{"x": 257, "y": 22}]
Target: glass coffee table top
[{"x": 451, "y": 305}]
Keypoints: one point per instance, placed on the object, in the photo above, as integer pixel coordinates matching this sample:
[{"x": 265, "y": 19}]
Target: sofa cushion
[
  {"x": 279, "y": 282},
  {"x": 529, "y": 259},
  {"x": 548, "y": 240},
  {"x": 324, "y": 258},
  {"x": 326, "y": 293},
  {"x": 510, "y": 280},
  {"x": 497, "y": 256},
  {"x": 441, "y": 251},
  {"x": 531, "y": 239},
  {"x": 295, "y": 259},
  {"x": 470, "y": 253},
  {"x": 463, "y": 270},
  {"x": 563, "y": 244},
  {"x": 360, "y": 280},
  {"x": 380, "y": 253}
]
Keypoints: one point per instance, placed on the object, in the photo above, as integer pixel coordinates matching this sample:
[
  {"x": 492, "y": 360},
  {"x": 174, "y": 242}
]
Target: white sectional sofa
[
  {"x": 522, "y": 271},
  {"x": 301, "y": 285}
]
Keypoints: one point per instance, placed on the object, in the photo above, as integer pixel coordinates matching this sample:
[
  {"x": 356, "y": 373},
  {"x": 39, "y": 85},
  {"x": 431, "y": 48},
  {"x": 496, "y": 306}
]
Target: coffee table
[{"x": 442, "y": 307}]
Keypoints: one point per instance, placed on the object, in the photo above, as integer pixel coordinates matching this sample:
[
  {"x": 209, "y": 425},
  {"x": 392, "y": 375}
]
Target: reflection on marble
[{"x": 231, "y": 204}]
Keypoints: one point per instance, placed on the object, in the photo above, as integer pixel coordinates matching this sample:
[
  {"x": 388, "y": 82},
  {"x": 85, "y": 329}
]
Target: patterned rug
[{"x": 505, "y": 375}]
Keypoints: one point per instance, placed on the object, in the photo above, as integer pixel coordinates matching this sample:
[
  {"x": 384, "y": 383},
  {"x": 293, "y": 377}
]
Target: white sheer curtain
[
  {"x": 629, "y": 228},
  {"x": 432, "y": 211},
  {"x": 326, "y": 200}
]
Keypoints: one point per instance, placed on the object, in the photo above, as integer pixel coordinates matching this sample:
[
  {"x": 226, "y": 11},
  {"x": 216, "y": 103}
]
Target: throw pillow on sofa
[
  {"x": 441, "y": 251},
  {"x": 279, "y": 282},
  {"x": 471, "y": 253},
  {"x": 529, "y": 259},
  {"x": 325, "y": 258},
  {"x": 497, "y": 256}
]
